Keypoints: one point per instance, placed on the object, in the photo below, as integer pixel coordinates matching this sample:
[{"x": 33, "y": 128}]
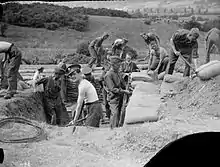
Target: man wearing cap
[
  {"x": 87, "y": 94},
  {"x": 87, "y": 71},
  {"x": 129, "y": 66},
  {"x": 52, "y": 99},
  {"x": 184, "y": 42},
  {"x": 159, "y": 58},
  {"x": 13, "y": 57},
  {"x": 118, "y": 47},
  {"x": 95, "y": 48},
  {"x": 115, "y": 87}
]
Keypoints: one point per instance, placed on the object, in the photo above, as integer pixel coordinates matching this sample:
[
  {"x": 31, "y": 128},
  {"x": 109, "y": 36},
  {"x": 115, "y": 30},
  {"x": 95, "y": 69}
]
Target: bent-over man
[
  {"x": 116, "y": 88},
  {"x": 184, "y": 42},
  {"x": 52, "y": 98},
  {"x": 87, "y": 94},
  {"x": 159, "y": 58},
  {"x": 212, "y": 38},
  {"x": 13, "y": 56},
  {"x": 95, "y": 48},
  {"x": 118, "y": 47}
]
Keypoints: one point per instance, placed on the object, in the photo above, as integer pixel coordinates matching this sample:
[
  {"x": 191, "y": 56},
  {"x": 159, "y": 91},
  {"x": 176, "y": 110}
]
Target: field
[
  {"x": 44, "y": 43},
  {"x": 131, "y": 146}
]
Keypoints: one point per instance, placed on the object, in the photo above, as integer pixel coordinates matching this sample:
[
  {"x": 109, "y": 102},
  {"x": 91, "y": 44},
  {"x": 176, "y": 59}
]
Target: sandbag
[
  {"x": 143, "y": 105},
  {"x": 209, "y": 70},
  {"x": 141, "y": 76},
  {"x": 172, "y": 78},
  {"x": 142, "y": 66},
  {"x": 161, "y": 75},
  {"x": 135, "y": 83},
  {"x": 206, "y": 65}
]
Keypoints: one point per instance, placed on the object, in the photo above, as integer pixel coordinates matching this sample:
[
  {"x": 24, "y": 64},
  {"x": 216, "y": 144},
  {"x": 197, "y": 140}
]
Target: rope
[{"x": 39, "y": 136}]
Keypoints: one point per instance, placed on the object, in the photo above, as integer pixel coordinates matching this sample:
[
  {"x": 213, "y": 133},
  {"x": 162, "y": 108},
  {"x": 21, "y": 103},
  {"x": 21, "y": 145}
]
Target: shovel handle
[{"x": 188, "y": 63}]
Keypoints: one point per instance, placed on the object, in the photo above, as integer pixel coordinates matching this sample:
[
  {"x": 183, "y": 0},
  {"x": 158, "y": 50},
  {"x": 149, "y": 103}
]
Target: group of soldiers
[{"x": 114, "y": 80}]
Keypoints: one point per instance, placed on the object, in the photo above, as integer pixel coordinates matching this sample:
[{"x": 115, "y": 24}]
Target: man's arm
[
  {"x": 42, "y": 81},
  {"x": 150, "y": 61},
  {"x": 111, "y": 86},
  {"x": 79, "y": 102}
]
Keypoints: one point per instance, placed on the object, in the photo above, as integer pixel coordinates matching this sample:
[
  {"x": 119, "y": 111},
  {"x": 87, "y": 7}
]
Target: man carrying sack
[
  {"x": 13, "y": 57},
  {"x": 184, "y": 42}
]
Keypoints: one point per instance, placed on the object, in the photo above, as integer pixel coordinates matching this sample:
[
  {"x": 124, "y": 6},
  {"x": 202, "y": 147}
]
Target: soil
[{"x": 194, "y": 109}]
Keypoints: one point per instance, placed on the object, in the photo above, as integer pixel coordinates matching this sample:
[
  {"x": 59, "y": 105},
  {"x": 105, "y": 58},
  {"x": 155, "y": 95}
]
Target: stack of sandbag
[
  {"x": 142, "y": 66},
  {"x": 209, "y": 70},
  {"x": 143, "y": 105},
  {"x": 141, "y": 76}
]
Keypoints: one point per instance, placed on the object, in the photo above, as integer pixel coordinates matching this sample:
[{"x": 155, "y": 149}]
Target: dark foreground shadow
[
  {"x": 199, "y": 149},
  {"x": 1, "y": 155}
]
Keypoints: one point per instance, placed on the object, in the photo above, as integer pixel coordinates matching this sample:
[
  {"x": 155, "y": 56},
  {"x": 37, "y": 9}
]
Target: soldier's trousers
[
  {"x": 116, "y": 107},
  {"x": 163, "y": 65},
  {"x": 95, "y": 114},
  {"x": 55, "y": 111},
  {"x": 106, "y": 105},
  {"x": 94, "y": 57},
  {"x": 172, "y": 61},
  {"x": 13, "y": 68},
  {"x": 63, "y": 91}
]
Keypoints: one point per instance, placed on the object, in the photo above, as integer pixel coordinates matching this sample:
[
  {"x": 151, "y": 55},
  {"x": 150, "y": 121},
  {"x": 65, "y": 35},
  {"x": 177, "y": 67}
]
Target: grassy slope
[{"x": 42, "y": 42}]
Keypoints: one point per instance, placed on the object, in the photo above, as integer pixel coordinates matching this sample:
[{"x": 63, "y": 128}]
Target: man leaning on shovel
[{"x": 184, "y": 43}]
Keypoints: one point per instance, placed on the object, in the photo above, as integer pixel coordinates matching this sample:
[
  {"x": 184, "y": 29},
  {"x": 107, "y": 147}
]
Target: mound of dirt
[
  {"x": 200, "y": 97},
  {"x": 28, "y": 105}
]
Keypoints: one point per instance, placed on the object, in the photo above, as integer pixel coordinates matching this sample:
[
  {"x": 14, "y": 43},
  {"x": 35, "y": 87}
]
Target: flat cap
[
  {"x": 59, "y": 71},
  {"x": 115, "y": 59},
  {"x": 75, "y": 66},
  {"x": 41, "y": 68},
  {"x": 86, "y": 70}
]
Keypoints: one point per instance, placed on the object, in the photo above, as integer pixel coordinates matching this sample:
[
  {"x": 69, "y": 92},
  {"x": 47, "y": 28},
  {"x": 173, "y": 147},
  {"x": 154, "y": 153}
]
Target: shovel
[
  {"x": 194, "y": 70},
  {"x": 73, "y": 123}
]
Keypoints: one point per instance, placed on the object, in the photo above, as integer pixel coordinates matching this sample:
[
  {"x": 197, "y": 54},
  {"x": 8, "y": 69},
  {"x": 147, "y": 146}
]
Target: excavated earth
[{"x": 194, "y": 108}]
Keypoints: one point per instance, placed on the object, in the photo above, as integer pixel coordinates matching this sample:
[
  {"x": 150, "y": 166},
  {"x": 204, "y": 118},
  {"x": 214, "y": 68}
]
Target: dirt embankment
[{"x": 28, "y": 105}]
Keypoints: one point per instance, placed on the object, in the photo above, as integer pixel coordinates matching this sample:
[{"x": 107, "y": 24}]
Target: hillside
[
  {"x": 130, "y": 5},
  {"x": 41, "y": 42}
]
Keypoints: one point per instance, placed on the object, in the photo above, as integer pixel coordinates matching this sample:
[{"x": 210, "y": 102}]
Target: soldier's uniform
[
  {"x": 129, "y": 67},
  {"x": 53, "y": 104},
  {"x": 188, "y": 49},
  {"x": 13, "y": 57},
  {"x": 114, "y": 85},
  {"x": 93, "y": 50}
]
